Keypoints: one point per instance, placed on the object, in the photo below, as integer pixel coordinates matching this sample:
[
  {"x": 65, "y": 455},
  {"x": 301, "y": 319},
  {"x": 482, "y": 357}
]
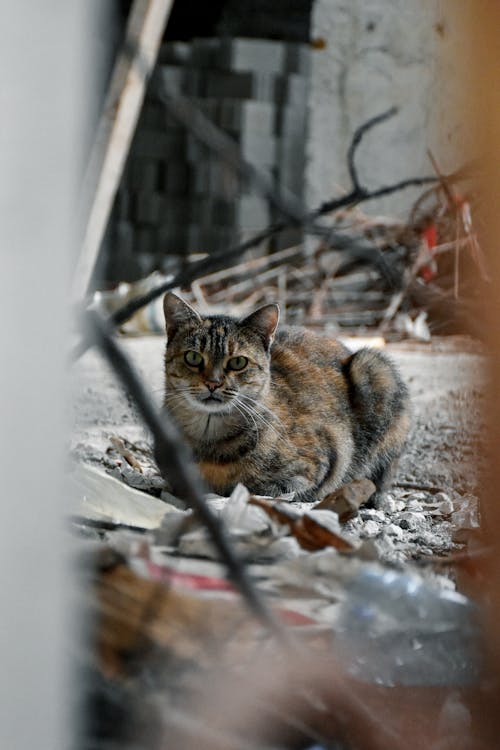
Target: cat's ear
[
  {"x": 264, "y": 321},
  {"x": 177, "y": 313}
]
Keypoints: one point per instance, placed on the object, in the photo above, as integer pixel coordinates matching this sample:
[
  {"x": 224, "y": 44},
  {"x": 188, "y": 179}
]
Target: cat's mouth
[
  {"x": 212, "y": 400},
  {"x": 213, "y": 403}
]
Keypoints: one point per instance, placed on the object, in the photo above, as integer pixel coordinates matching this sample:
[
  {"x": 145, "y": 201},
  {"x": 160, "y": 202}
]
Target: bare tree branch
[{"x": 356, "y": 140}]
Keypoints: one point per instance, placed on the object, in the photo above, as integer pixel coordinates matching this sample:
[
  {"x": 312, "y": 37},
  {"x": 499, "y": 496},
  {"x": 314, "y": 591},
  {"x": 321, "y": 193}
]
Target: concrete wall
[{"x": 369, "y": 56}]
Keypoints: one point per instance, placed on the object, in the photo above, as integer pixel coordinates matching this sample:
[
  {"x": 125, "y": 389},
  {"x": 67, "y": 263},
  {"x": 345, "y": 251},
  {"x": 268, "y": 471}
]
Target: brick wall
[{"x": 175, "y": 197}]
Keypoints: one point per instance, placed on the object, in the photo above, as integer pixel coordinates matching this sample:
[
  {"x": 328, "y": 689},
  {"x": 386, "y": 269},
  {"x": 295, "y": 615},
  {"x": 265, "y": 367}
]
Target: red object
[
  {"x": 187, "y": 580},
  {"x": 211, "y": 583},
  {"x": 429, "y": 236}
]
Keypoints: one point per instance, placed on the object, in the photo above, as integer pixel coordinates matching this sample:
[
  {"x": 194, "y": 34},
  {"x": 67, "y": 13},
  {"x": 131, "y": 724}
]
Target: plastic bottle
[{"x": 397, "y": 628}]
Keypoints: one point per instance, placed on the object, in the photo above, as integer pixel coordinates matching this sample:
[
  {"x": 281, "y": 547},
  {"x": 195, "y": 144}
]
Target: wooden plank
[{"x": 136, "y": 59}]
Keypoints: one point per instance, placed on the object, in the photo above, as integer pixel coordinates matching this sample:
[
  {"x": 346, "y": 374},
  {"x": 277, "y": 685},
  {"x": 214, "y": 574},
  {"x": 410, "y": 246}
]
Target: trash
[
  {"x": 314, "y": 529},
  {"x": 149, "y": 319},
  {"x": 396, "y": 629},
  {"x": 416, "y": 328},
  {"x": 100, "y": 496},
  {"x": 410, "y": 277}
]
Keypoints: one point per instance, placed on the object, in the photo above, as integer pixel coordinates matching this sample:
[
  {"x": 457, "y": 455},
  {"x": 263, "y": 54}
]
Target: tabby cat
[{"x": 280, "y": 411}]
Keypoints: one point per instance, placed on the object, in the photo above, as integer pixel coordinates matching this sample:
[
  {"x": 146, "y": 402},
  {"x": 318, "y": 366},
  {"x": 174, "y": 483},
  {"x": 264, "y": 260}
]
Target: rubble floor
[{"x": 436, "y": 486}]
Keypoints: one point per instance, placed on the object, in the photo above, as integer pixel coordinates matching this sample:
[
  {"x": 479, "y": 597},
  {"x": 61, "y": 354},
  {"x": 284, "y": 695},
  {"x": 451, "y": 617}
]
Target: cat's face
[{"x": 216, "y": 364}]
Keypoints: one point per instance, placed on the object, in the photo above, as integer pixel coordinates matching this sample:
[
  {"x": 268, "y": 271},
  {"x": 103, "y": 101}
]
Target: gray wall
[{"x": 376, "y": 54}]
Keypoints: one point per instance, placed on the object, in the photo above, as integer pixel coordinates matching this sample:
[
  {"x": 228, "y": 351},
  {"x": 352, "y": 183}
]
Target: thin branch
[
  {"x": 356, "y": 140},
  {"x": 176, "y": 464},
  {"x": 361, "y": 195},
  {"x": 226, "y": 258}
]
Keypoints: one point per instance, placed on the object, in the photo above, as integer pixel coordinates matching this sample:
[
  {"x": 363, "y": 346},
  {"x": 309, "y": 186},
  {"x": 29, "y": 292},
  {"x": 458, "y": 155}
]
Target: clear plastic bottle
[{"x": 396, "y": 628}]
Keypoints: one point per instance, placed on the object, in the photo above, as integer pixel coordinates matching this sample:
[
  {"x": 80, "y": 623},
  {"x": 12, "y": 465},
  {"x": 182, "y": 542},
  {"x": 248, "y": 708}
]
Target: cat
[{"x": 281, "y": 411}]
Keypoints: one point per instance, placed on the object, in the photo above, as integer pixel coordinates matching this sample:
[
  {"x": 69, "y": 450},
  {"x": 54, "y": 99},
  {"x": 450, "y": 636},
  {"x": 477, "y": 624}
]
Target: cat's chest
[{"x": 220, "y": 476}]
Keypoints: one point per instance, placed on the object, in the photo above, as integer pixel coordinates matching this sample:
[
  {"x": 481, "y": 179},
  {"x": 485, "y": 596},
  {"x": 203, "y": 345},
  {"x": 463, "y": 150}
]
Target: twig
[
  {"x": 456, "y": 558},
  {"x": 129, "y": 457},
  {"x": 456, "y": 255},
  {"x": 445, "y": 247},
  {"x": 356, "y": 140},
  {"x": 175, "y": 463},
  {"x": 248, "y": 284},
  {"x": 105, "y": 525},
  {"x": 361, "y": 195},
  {"x": 252, "y": 265},
  {"x": 452, "y": 202},
  {"x": 414, "y": 486}
]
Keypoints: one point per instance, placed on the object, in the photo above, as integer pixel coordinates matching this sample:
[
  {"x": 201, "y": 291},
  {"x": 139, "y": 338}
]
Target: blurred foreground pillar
[
  {"x": 479, "y": 65},
  {"x": 43, "y": 105}
]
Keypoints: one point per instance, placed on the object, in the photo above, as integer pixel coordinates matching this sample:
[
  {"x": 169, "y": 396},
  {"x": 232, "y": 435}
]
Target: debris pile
[
  {"x": 170, "y": 628},
  {"x": 403, "y": 524},
  {"x": 174, "y": 643},
  {"x": 400, "y": 279}
]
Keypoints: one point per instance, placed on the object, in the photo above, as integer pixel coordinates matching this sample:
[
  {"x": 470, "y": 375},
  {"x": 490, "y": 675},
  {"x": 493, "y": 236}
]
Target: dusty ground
[{"x": 441, "y": 459}]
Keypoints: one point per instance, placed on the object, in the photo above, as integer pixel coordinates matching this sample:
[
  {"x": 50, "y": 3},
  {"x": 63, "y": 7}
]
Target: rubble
[
  {"x": 400, "y": 279},
  {"x": 185, "y": 615},
  {"x": 445, "y": 390}
]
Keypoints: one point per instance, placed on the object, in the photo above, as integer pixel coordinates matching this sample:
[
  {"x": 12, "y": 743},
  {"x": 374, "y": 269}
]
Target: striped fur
[{"x": 305, "y": 415}]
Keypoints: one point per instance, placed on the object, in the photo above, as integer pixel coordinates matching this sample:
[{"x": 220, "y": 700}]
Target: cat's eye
[
  {"x": 193, "y": 359},
  {"x": 237, "y": 363}
]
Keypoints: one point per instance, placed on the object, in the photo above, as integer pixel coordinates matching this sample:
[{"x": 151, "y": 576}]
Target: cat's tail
[{"x": 381, "y": 414}]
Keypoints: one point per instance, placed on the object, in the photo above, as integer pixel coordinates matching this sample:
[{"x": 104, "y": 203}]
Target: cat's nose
[{"x": 212, "y": 385}]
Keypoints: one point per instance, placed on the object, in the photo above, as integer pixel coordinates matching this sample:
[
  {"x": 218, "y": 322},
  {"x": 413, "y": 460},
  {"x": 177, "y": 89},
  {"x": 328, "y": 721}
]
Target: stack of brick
[{"x": 176, "y": 198}]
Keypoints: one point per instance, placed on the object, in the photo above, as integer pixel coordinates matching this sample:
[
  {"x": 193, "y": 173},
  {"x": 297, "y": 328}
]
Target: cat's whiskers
[
  {"x": 246, "y": 416},
  {"x": 255, "y": 414},
  {"x": 235, "y": 402},
  {"x": 173, "y": 403},
  {"x": 258, "y": 405}
]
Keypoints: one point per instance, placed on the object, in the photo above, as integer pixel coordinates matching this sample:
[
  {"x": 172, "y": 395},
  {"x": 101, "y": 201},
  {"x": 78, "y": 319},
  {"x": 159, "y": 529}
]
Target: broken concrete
[{"x": 436, "y": 486}]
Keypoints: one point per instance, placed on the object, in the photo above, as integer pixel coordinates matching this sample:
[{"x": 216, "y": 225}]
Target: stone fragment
[
  {"x": 370, "y": 529},
  {"x": 411, "y": 521},
  {"x": 446, "y": 507},
  {"x": 371, "y": 513},
  {"x": 386, "y": 503},
  {"x": 418, "y": 496},
  {"x": 346, "y": 500},
  {"x": 441, "y": 497},
  {"x": 395, "y": 531},
  {"x": 414, "y": 505}
]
